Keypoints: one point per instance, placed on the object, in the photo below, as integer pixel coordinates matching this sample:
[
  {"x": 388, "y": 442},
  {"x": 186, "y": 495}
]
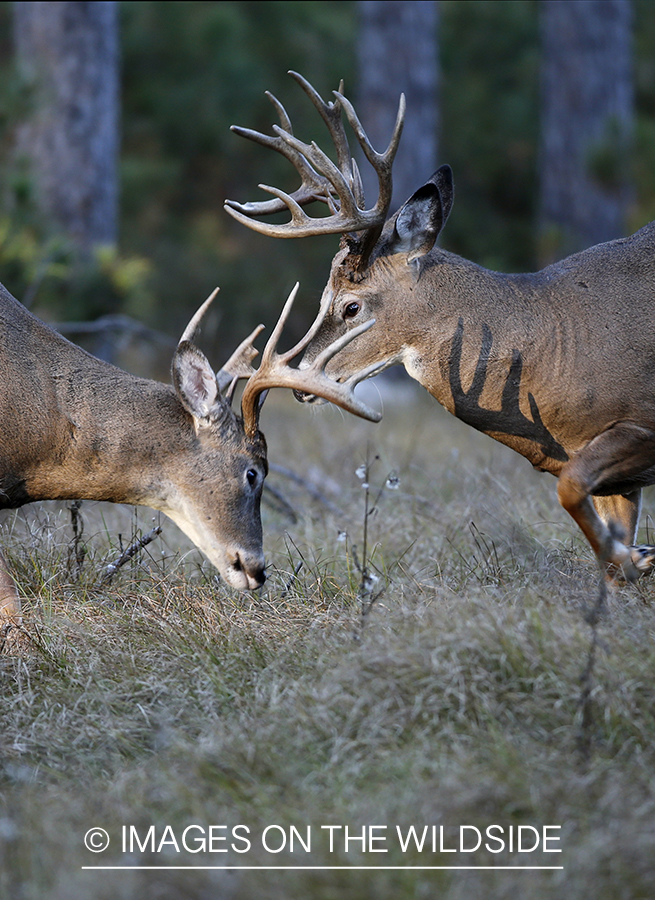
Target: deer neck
[
  {"x": 458, "y": 316},
  {"x": 112, "y": 446}
]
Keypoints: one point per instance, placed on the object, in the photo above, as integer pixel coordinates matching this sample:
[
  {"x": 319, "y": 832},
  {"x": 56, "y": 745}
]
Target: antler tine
[
  {"x": 274, "y": 371},
  {"x": 349, "y": 216},
  {"x": 358, "y": 187},
  {"x": 312, "y": 187},
  {"x": 321, "y": 178},
  {"x": 372, "y": 155},
  {"x": 269, "y": 351},
  {"x": 191, "y": 329},
  {"x": 381, "y": 162},
  {"x": 333, "y": 175},
  {"x": 283, "y": 115},
  {"x": 330, "y": 112},
  {"x": 239, "y": 364}
]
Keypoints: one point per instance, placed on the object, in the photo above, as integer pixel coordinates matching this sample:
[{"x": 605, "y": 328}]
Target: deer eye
[
  {"x": 251, "y": 477},
  {"x": 351, "y": 310}
]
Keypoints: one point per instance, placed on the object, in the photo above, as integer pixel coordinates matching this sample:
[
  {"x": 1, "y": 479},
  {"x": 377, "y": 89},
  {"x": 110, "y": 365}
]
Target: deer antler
[
  {"x": 337, "y": 185},
  {"x": 275, "y": 371},
  {"x": 239, "y": 364}
]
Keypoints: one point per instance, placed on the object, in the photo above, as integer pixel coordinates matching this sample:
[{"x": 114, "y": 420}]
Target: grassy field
[{"x": 458, "y": 682}]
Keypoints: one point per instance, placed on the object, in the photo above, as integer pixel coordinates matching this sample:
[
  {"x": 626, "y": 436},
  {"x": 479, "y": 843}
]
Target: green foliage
[
  {"x": 489, "y": 128},
  {"x": 191, "y": 69}
]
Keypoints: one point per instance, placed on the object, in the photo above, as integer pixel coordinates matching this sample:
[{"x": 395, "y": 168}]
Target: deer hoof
[
  {"x": 643, "y": 558},
  {"x": 626, "y": 572}
]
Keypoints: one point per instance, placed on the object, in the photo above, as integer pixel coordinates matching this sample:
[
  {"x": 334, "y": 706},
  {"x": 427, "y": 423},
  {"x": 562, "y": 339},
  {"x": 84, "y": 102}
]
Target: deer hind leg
[
  {"x": 613, "y": 467},
  {"x": 9, "y": 601},
  {"x": 624, "y": 509}
]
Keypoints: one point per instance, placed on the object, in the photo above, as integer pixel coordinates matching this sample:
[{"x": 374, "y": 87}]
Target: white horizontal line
[{"x": 321, "y": 868}]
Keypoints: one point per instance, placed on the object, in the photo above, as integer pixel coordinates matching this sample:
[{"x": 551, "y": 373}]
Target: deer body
[
  {"x": 559, "y": 364},
  {"x": 510, "y": 354}
]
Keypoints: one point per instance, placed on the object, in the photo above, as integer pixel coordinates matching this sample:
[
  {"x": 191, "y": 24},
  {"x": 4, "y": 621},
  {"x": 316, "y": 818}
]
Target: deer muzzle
[{"x": 247, "y": 572}]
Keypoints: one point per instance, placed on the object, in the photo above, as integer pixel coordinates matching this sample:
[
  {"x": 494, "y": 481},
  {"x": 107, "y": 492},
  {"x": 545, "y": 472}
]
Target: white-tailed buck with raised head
[
  {"x": 76, "y": 427},
  {"x": 558, "y": 364}
]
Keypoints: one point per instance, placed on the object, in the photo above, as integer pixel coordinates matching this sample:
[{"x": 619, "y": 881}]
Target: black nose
[
  {"x": 259, "y": 575},
  {"x": 256, "y": 572}
]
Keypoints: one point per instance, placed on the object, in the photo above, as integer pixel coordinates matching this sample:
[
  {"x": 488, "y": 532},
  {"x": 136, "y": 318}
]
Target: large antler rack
[
  {"x": 275, "y": 371},
  {"x": 338, "y": 185}
]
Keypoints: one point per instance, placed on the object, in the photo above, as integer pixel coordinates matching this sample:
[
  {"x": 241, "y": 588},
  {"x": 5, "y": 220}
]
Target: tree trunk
[
  {"x": 587, "y": 121},
  {"x": 68, "y": 52},
  {"x": 397, "y": 53}
]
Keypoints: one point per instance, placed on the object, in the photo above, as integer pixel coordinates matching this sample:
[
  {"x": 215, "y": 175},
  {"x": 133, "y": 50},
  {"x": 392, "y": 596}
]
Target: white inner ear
[
  {"x": 197, "y": 384},
  {"x": 412, "y": 223}
]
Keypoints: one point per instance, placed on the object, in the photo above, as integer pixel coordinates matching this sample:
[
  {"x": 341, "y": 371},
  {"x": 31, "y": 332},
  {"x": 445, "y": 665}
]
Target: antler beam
[{"x": 275, "y": 371}]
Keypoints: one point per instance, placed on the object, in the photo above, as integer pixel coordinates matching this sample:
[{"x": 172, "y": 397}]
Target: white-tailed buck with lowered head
[
  {"x": 74, "y": 427},
  {"x": 558, "y": 364}
]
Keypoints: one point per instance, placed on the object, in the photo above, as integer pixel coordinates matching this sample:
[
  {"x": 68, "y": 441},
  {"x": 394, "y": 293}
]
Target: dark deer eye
[
  {"x": 251, "y": 475},
  {"x": 351, "y": 310}
]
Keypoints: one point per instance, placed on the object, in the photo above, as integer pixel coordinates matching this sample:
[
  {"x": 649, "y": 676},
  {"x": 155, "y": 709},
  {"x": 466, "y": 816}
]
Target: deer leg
[
  {"x": 621, "y": 456},
  {"x": 9, "y": 599},
  {"x": 622, "y": 508},
  {"x": 625, "y": 509}
]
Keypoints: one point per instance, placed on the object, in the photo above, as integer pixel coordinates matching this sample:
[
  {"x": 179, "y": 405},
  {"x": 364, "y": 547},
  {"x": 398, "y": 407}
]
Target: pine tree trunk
[
  {"x": 397, "y": 52},
  {"x": 68, "y": 52},
  {"x": 587, "y": 120}
]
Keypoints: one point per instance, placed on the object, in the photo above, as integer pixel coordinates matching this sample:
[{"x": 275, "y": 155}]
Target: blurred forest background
[{"x": 116, "y": 153}]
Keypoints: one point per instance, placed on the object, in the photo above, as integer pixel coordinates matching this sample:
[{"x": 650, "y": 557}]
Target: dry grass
[{"x": 167, "y": 699}]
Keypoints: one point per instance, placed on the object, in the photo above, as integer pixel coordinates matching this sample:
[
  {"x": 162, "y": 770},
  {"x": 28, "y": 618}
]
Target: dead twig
[
  {"x": 592, "y": 616},
  {"x": 367, "y": 599},
  {"x": 76, "y": 550},
  {"x": 128, "y": 553},
  {"x": 279, "y": 503}
]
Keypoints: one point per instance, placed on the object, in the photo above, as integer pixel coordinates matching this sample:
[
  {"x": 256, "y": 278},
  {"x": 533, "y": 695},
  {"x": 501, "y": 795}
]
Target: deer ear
[
  {"x": 420, "y": 220},
  {"x": 195, "y": 382}
]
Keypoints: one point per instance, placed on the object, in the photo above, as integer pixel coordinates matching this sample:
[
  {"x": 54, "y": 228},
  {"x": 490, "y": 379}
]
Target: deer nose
[
  {"x": 257, "y": 578},
  {"x": 253, "y": 568}
]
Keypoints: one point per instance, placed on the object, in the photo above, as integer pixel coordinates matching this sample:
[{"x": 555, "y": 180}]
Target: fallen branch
[
  {"x": 311, "y": 490},
  {"x": 279, "y": 503}
]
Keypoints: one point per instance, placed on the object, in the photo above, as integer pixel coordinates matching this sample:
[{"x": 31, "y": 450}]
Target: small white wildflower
[
  {"x": 393, "y": 482},
  {"x": 370, "y": 581},
  {"x": 342, "y": 537},
  {"x": 360, "y": 471},
  {"x": 365, "y": 485}
]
